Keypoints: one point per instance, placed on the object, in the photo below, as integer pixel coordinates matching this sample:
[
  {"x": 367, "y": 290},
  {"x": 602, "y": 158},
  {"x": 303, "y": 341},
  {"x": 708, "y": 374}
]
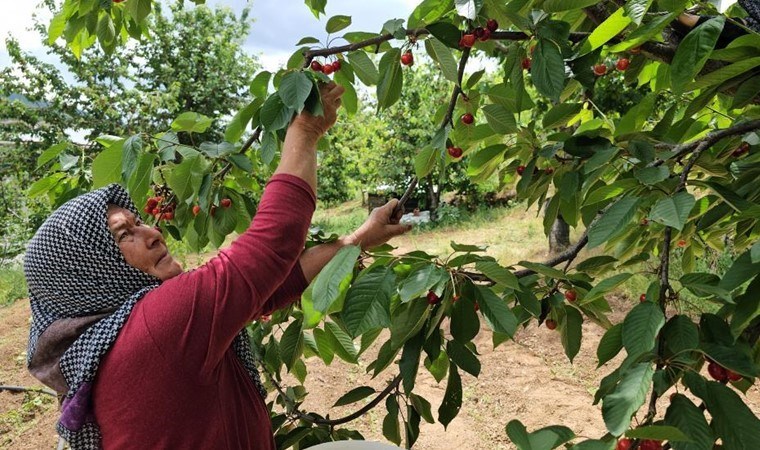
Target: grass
[{"x": 12, "y": 284}]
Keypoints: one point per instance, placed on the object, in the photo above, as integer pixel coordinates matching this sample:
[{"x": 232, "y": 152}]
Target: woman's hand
[
  {"x": 315, "y": 126},
  {"x": 380, "y": 226}
]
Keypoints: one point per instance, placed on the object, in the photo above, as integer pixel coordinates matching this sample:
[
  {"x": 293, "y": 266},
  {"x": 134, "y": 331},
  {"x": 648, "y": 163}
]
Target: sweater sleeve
[
  {"x": 288, "y": 292},
  {"x": 193, "y": 318}
]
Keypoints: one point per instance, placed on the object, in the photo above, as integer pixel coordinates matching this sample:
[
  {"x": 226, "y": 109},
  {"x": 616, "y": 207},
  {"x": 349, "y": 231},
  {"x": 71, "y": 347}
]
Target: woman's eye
[{"x": 121, "y": 237}]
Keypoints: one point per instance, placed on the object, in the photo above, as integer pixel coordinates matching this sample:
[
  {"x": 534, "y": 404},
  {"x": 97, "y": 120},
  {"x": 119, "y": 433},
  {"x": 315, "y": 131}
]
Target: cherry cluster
[
  {"x": 479, "y": 34},
  {"x": 326, "y": 68},
  {"x": 646, "y": 444},
  {"x": 155, "y": 207},
  {"x": 224, "y": 203}
]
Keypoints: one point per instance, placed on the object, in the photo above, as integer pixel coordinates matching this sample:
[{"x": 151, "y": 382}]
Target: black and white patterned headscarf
[
  {"x": 753, "y": 9},
  {"x": 81, "y": 294}
]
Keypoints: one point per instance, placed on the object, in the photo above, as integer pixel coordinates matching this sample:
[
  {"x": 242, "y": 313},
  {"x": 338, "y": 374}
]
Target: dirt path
[{"x": 528, "y": 379}]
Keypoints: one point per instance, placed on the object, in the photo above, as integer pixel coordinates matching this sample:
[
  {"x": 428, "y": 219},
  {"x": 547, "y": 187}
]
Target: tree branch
[{"x": 17, "y": 389}]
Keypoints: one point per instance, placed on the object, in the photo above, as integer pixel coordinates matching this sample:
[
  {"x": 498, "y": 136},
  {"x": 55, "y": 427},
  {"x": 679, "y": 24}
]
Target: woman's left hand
[{"x": 380, "y": 226}]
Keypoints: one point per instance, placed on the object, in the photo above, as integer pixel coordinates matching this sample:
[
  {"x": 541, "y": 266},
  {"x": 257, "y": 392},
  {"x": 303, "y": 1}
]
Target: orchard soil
[{"x": 529, "y": 379}]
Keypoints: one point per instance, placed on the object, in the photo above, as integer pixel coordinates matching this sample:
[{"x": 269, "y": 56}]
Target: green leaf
[
  {"x": 367, "y": 304},
  {"x": 327, "y": 283},
  {"x": 498, "y": 315},
  {"x": 274, "y": 114},
  {"x": 106, "y": 31},
  {"x": 260, "y": 84},
  {"x": 736, "y": 358},
  {"x": 613, "y": 222},
  {"x": 364, "y": 67},
  {"x": 452, "y": 398},
  {"x": 325, "y": 345},
  {"x": 694, "y": 51},
  {"x": 746, "y": 93},
  {"x": 214, "y": 150},
  {"x": 422, "y": 407},
  {"x": 566, "y": 5},
  {"x": 571, "y": 332},
  {"x": 191, "y": 122},
  {"x": 500, "y": 119},
  {"x": 349, "y": 100},
  {"x": 560, "y": 114},
  {"x": 337, "y": 23},
  {"x": 610, "y": 344},
  {"x": 605, "y": 286},
  {"x": 419, "y": 282},
  {"x": 139, "y": 184},
  {"x": 106, "y": 167},
  {"x": 673, "y": 211},
  {"x": 548, "y": 70},
  {"x": 687, "y": 417},
  {"x": 240, "y": 121},
  {"x": 546, "y": 438},
  {"x": 640, "y": 328},
  {"x": 733, "y": 422},
  {"x": 724, "y": 73},
  {"x": 56, "y": 27},
  {"x": 268, "y": 148},
  {"x": 680, "y": 334},
  {"x": 354, "y": 395},
  {"x": 44, "y": 185},
  {"x": 468, "y": 8},
  {"x": 740, "y": 271},
  {"x": 703, "y": 285},
  {"x": 604, "y": 32},
  {"x": 465, "y": 324},
  {"x": 410, "y": 360},
  {"x": 445, "y": 32},
  {"x": 428, "y": 12},
  {"x": 295, "y": 88},
  {"x": 442, "y": 55},
  {"x": 425, "y": 161},
  {"x": 185, "y": 178},
  {"x": 51, "y": 153},
  {"x": 497, "y": 273},
  {"x": 291, "y": 344},
  {"x": 658, "y": 432},
  {"x": 651, "y": 175},
  {"x": 637, "y": 9},
  {"x": 391, "y": 429},
  {"x": 317, "y": 7},
  {"x": 391, "y": 79},
  {"x": 341, "y": 343},
  {"x": 407, "y": 320},
  {"x": 139, "y": 9},
  {"x": 619, "y": 406}
]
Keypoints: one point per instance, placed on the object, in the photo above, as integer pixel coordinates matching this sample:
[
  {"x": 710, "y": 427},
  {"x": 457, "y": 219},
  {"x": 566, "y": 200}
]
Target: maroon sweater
[{"x": 171, "y": 379}]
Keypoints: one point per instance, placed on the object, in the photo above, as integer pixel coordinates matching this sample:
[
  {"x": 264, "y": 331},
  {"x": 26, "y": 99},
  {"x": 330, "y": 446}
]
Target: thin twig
[{"x": 28, "y": 389}]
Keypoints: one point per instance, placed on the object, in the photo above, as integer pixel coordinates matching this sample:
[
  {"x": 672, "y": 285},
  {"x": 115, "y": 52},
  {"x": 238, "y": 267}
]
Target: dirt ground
[{"x": 528, "y": 379}]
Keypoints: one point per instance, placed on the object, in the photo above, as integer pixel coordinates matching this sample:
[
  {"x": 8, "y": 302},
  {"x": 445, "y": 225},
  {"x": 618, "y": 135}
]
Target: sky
[{"x": 276, "y": 24}]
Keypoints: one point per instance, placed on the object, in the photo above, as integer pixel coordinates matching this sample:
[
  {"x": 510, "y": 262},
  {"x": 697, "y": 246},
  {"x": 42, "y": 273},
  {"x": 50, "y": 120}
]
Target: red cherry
[
  {"x": 407, "y": 58},
  {"x": 468, "y": 119},
  {"x": 571, "y": 295},
  {"x": 316, "y": 66},
  {"x": 196, "y": 210},
  {"x": 336, "y": 65},
  {"x": 168, "y": 215},
  {"x": 624, "y": 444},
  {"x": 622, "y": 64},
  {"x": 118, "y": 1},
  {"x": 432, "y": 299},
  {"x": 156, "y": 211},
  {"x": 152, "y": 202},
  {"x": 477, "y": 307},
  {"x": 147, "y": 209},
  {"x": 265, "y": 318},
  {"x": 225, "y": 203},
  {"x": 454, "y": 299},
  {"x": 650, "y": 444},
  {"x": 327, "y": 69},
  {"x": 643, "y": 298},
  {"x": 673, "y": 396},
  {"x": 468, "y": 40},
  {"x": 600, "y": 69},
  {"x": 485, "y": 36},
  {"x": 550, "y": 324},
  {"x": 644, "y": 222},
  {"x": 733, "y": 376},
  {"x": 455, "y": 152},
  {"x": 492, "y": 25},
  {"x": 526, "y": 62},
  {"x": 549, "y": 170},
  {"x": 742, "y": 149},
  {"x": 520, "y": 170},
  {"x": 478, "y": 32},
  {"x": 212, "y": 211},
  {"x": 717, "y": 372},
  {"x": 681, "y": 243}
]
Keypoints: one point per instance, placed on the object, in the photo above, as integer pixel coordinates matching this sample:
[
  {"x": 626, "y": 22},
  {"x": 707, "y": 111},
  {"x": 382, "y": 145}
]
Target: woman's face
[{"x": 143, "y": 246}]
